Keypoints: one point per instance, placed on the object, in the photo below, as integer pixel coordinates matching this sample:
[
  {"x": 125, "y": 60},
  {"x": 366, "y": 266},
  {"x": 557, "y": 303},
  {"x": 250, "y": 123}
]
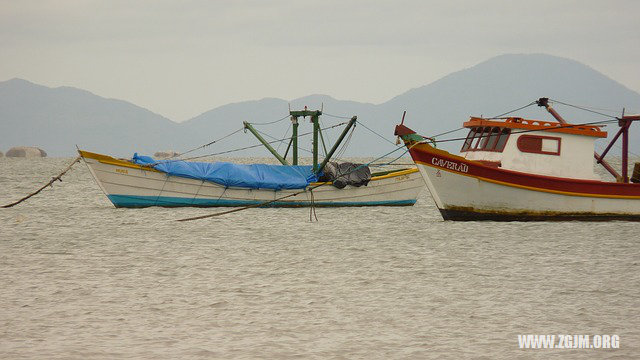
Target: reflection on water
[{"x": 81, "y": 279}]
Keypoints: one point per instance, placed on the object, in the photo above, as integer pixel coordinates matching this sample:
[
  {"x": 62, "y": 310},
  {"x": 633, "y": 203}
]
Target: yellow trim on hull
[{"x": 105, "y": 159}]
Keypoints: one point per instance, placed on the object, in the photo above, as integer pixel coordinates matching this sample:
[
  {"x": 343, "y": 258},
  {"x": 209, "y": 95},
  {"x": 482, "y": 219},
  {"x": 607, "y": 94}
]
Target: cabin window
[
  {"x": 539, "y": 144},
  {"x": 502, "y": 139},
  {"x": 491, "y": 143},
  {"x": 478, "y": 138},
  {"x": 469, "y": 140},
  {"x": 486, "y": 139}
]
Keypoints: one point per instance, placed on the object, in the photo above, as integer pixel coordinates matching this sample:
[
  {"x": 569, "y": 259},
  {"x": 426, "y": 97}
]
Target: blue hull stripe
[{"x": 132, "y": 201}]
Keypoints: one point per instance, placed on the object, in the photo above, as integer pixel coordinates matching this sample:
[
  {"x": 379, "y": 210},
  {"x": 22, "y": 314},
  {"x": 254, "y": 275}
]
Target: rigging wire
[
  {"x": 509, "y": 112},
  {"x": 584, "y": 109},
  {"x": 447, "y": 132},
  {"x": 281, "y": 141},
  {"x": 270, "y": 122},
  {"x": 345, "y": 144},
  {"x": 382, "y": 137},
  {"x": 325, "y": 135},
  {"x": 285, "y": 136},
  {"x": 207, "y": 144},
  {"x": 336, "y": 116}
]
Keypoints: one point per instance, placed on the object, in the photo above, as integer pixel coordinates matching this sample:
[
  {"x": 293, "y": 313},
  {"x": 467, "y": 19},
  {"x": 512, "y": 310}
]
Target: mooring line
[{"x": 58, "y": 178}]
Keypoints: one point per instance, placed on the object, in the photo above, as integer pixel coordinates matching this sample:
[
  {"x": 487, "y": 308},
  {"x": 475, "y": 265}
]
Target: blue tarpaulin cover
[{"x": 254, "y": 176}]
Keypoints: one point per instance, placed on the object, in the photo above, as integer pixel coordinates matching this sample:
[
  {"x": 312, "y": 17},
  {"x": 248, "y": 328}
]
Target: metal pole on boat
[
  {"x": 625, "y": 122},
  {"x": 294, "y": 139},
  {"x": 282, "y": 160},
  {"x": 625, "y": 149},
  {"x": 316, "y": 127},
  {"x": 545, "y": 103}
]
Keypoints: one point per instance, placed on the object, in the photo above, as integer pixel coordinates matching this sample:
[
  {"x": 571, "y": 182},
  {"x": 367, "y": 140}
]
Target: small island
[
  {"x": 165, "y": 154},
  {"x": 26, "y": 152}
]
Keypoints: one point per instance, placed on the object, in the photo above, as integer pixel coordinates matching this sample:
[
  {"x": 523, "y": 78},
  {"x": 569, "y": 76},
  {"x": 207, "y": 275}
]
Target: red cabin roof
[{"x": 524, "y": 124}]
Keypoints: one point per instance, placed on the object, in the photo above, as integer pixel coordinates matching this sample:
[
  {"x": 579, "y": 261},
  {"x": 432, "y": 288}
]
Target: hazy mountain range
[{"x": 56, "y": 119}]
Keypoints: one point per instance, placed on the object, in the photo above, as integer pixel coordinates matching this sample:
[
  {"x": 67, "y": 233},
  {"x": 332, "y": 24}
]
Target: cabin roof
[{"x": 525, "y": 124}]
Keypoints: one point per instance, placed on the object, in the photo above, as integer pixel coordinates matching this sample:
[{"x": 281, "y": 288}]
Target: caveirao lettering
[{"x": 451, "y": 165}]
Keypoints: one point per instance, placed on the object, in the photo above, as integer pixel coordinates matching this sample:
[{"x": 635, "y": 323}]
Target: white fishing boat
[
  {"x": 514, "y": 169},
  {"x": 143, "y": 181}
]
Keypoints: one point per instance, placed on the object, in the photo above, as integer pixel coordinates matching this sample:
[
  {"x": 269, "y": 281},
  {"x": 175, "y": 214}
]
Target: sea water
[{"x": 81, "y": 279}]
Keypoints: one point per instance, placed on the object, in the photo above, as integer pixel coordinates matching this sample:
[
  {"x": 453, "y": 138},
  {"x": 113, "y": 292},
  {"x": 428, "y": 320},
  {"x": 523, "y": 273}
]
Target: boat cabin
[{"x": 533, "y": 146}]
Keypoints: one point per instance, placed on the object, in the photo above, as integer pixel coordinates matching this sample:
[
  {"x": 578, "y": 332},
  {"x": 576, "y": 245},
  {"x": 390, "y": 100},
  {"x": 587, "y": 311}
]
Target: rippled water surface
[{"x": 81, "y": 279}]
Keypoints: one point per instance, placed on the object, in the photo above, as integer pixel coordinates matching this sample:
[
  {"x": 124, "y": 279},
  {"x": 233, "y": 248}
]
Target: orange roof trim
[{"x": 524, "y": 124}]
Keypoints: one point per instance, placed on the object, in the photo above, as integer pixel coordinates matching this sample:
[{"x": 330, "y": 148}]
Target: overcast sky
[{"x": 182, "y": 58}]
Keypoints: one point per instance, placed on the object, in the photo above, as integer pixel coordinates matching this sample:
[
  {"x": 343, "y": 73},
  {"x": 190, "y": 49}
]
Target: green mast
[
  {"x": 314, "y": 114},
  {"x": 294, "y": 139}
]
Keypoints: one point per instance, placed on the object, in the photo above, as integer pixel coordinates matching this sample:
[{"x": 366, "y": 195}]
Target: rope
[
  {"x": 584, "y": 109},
  {"x": 336, "y": 116},
  {"x": 270, "y": 122},
  {"x": 285, "y": 136},
  {"x": 312, "y": 208},
  {"x": 447, "y": 132},
  {"x": 280, "y": 141},
  {"x": 311, "y": 188},
  {"x": 509, "y": 112},
  {"x": 384, "y": 138},
  {"x": 58, "y": 178},
  {"x": 345, "y": 144},
  {"x": 205, "y": 145}
]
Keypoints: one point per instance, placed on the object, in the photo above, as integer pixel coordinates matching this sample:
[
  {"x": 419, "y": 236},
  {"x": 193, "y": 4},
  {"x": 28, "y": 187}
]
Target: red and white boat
[{"x": 513, "y": 169}]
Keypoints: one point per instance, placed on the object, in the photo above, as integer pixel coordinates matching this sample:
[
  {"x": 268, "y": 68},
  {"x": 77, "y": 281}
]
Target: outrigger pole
[{"x": 282, "y": 160}]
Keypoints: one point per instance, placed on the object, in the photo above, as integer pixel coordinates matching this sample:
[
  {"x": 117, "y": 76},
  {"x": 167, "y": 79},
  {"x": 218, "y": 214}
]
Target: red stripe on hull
[{"x": 430, "y": 156}]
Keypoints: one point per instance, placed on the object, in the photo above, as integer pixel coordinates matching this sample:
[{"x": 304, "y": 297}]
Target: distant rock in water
[
  {"x": 1, "y": 154},
  {"x": 165, "y": 154},
  {"x": 26, "y": 152}
]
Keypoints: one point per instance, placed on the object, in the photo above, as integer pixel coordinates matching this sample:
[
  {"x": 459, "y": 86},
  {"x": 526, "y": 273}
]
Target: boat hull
[
  {"x": 133, "y": 186},
  {"x": 465, "y": 190}
]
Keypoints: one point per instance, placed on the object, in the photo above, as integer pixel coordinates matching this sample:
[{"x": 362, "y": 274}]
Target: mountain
[
  {"x": 507, "y": 82},
  {"x": 57, "y": 118}
]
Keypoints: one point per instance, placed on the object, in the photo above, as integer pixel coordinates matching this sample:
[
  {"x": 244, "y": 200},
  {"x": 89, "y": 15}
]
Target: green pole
[
  {"x": 314, "y": 118},
  {"x": 335, "y": 146},
  {"x": 294, "y": 137},
  {"x": 324, "y": 146},
  {"x": 265, "y": 143}
]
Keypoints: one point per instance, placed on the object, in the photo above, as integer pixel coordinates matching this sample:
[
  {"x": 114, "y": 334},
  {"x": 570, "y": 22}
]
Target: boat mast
[
  {"x": 544, "y": 102},
  {"x": 314, "y": 115},
  {"x": 625, "y": 122}
]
